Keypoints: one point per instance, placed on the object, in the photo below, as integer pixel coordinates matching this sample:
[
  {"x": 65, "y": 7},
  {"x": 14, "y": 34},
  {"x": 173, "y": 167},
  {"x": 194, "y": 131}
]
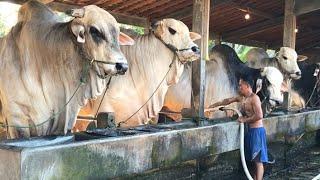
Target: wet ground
[{"x": 304, "y": 166}]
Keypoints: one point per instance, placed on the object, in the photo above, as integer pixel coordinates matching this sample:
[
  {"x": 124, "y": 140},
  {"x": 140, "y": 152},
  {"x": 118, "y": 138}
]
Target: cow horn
[{"x": 79, "y": 13}]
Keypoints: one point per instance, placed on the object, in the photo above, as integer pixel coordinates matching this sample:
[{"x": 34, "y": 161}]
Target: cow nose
[
  {"x": 195, "y": 49},
  {"x": 121, "y": 68},
  {"x": 298, "y": 73}
]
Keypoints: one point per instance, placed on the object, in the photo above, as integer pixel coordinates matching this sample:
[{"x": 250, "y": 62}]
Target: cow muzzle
[
  {"x": 296, "y": 75},
  {"x": 121, "y": 68}
]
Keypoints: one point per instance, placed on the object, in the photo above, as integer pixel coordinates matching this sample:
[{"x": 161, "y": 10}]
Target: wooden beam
[
  {"x": 216, "y": 38},
  {"x": 162, "y": 9},
  {"x": 289, "y": 40},
  {"x": 131, "y": 20},
  {"x": 252, "y": 29},
  {"x": 306, "y": 6},
  {"x": 248, "y": 42},
  {"x": 289, "y": 35},
  {"x": 24, "y": 1},
  {"x": 309, "y": 46},
  {"x": 121, "y": 18},
  {"x": 250, "y": 10},
  {"x": 200, "y": 24},
  {"x": 188, "y": 10}
]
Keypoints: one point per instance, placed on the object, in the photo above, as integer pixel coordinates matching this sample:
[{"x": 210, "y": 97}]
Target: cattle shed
[
  {"x": 194, "y": 150},
  {"x": 227, "y": 18},
  {"x": 271, "y": 23}
]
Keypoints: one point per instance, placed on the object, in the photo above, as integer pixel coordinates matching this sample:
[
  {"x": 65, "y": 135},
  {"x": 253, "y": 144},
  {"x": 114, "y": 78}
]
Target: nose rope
[
  {"x": 316, "y": 74},
  {"x": 174, "y": 49},
  {"x": 93, "y": 60},
  {"x": 282, "y": 70}
]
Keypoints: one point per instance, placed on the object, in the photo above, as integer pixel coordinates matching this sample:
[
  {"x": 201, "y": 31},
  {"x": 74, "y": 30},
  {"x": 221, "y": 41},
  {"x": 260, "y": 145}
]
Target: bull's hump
[
  {"x": 34, "y": 10},
  {"x": 98, "y": 13}
]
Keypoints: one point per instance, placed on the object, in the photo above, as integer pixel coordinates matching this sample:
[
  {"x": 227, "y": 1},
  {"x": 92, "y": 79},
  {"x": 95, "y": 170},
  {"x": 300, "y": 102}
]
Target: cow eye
[
  {"x": 96, "y": 34},
  {"x": 285, "y": 57},
  {"x": 172, "y": 31}
]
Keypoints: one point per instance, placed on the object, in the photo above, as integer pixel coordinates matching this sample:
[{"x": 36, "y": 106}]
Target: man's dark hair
[{"x": 247, "y": 79}]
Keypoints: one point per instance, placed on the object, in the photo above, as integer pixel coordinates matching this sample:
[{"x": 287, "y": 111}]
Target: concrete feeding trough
[{"x": 122, "y": 156}]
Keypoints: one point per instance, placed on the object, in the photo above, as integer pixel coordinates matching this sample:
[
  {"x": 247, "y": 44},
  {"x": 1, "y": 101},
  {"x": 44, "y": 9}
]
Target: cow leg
[
  {"x": 15, "y": 133},
  {"x": 18, "y": 128}
]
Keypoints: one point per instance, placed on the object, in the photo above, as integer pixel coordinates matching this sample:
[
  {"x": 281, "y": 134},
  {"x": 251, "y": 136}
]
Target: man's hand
[{"x": 241, "y": 119}]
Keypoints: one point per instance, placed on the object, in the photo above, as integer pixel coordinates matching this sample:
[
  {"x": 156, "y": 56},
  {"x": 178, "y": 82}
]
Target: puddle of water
[{"x": 38, "y": 141}]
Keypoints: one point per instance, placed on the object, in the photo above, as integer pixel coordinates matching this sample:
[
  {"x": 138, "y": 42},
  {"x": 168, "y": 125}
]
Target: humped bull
[
  {"x": 222, "y": 76},
  {"x": 156, "y": 62},
  {"x": 50, "y": 69}
]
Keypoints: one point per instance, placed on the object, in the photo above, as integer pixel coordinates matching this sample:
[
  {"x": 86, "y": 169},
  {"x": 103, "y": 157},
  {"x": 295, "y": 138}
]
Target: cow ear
[
  {"x": 258, "y": 85},
  {"x": 158, "y": 28},
  {"x": 125, "y": 39},
  {"x": 194, "y": 36},
  {"x": 78, "y": 30},
  {"x": 302, "y": 58}
]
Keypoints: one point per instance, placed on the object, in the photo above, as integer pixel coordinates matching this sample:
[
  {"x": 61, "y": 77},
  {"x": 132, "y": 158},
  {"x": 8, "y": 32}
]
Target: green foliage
[
  {"x": 136, "y": 29},
  {"x": 211, "y": 44},
  {"x": 2, "y": 27},
  {"x": 242, "y": 52},
  {"x": 63, "y": 17}
]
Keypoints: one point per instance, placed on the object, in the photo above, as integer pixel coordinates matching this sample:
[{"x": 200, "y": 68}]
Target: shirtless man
[{"x": 255, "y": 139}]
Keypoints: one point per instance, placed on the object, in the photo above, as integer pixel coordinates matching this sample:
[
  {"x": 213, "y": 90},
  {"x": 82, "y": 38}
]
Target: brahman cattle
[
  {"x": 308, "y": 86},
  {"x": 285, "y": 60},
  {"x": 222, "y": 77},
  {"x": 50, "y": 69},
  {"x": 156, "y": 62}
]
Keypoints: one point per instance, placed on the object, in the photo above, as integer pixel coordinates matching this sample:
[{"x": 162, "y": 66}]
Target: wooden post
[
  {"x": 147, "y": 27},
  {"x": 289, "y": 35},
  {"x": 217, "y": 39},
  {"x": 200, "y": 24},
  {"x": 289, "y": 40}
]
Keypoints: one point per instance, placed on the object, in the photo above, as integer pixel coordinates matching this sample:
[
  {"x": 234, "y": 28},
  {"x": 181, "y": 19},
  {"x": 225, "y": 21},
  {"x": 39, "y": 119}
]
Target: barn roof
[{"x": 264, "y": 28}]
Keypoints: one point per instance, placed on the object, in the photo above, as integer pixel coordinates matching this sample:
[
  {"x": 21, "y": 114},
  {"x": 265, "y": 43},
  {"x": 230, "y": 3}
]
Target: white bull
[
  {"x": 138, "y": 96},
  {"x": 222, "y": 76},
  {"x": 285, "y": 60},
  {"x": 49, "y": 69}
]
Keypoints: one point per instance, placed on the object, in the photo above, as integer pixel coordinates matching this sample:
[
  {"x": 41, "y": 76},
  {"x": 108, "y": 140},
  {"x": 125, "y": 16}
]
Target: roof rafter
[{"x": 253, "y": 29}]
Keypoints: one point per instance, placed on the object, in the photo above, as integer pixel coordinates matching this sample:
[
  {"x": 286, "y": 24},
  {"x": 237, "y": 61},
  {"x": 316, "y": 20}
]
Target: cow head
[
  {"x": 287, "y": 58},
  {"x": 175, "y": 34},
  {"x": 98, "y": 33}
]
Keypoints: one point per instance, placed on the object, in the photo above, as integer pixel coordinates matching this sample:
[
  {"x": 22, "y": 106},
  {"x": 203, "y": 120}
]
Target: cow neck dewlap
[
  {"x": 149, "y": 61},
  {"x": 70, "y": 64}
]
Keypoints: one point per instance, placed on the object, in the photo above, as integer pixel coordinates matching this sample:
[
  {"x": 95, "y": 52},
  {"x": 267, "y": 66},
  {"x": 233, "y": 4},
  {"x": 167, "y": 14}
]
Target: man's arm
[
  {"x": 226, "y": 102},
  {"x": 257, "y": 111}
]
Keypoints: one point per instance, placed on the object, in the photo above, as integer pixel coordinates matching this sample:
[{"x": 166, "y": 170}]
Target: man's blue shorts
[{"x": 256, "y": 145}]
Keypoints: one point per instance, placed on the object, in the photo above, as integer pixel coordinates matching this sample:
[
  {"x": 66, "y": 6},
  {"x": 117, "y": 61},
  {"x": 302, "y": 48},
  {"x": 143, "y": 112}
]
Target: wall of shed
[{"x": 176, "y": 153}]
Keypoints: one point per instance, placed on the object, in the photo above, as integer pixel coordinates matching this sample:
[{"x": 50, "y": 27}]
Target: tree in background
[{"x": 3, "y": 28}]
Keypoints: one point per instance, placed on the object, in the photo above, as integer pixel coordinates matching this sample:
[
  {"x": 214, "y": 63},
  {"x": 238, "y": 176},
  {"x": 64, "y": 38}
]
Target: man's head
[{"x": 245, "y": 85}]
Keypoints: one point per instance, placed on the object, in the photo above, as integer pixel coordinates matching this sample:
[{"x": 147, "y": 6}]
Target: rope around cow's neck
[
  {"x": 174, "y": 50},
  {"x": 93, "y": 60},
  {"x": 50, "y": 118},
  {"x": 125, "y": 121},
  {"x": 313, "y": 90},
  {"x": 83, "y": 80},
  {"x": 107, "y": 87}
]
